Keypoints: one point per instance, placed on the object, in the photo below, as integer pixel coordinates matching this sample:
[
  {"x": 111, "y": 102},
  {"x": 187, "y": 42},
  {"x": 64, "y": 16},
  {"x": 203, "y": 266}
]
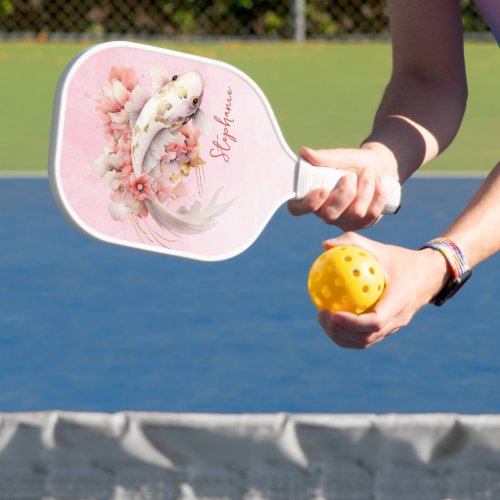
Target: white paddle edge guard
[{"x": 309, "y": 177}]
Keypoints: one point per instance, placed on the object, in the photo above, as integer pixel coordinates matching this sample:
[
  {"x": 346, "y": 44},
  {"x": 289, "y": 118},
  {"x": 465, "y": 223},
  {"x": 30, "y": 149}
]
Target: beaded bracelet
[{"x": 459, "y": 267}]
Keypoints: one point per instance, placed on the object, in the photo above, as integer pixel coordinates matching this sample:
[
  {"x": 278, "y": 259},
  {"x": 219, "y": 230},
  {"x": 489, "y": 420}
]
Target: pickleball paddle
[{"x": 173, "y": 153}]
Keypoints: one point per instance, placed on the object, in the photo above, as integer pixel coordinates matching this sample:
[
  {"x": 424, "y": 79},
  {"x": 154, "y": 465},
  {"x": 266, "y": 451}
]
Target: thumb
[
  {"x": 348, "y": 238},
  {"x": 353, "y": 159}
]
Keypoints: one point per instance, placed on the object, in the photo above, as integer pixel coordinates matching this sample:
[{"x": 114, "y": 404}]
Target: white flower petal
[
  {"x": 118, "y": 211},
  {"x": 120, "y": 117},
  {"x": 120, "y": 93}
]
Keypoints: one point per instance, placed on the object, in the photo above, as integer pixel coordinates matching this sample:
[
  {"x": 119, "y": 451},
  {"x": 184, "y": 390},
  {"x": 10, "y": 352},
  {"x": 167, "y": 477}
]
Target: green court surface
[{"x": 324, "y": 95}]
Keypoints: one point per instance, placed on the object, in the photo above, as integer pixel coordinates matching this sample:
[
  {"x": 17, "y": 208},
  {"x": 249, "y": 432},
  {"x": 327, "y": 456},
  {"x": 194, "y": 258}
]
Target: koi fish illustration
[
  {"x": 175, "y": 103},
  {"x": 154, "y": 118}
]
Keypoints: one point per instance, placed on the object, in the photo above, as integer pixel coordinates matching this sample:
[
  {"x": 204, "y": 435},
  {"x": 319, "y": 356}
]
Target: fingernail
[{"x": 306, "y": 150}]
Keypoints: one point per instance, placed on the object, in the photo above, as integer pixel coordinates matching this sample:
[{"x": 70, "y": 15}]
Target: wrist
[
  {"x": 458, "y": 268},
  {"x": 388, "y": 165},
  {"x": 437, "y": 273}
]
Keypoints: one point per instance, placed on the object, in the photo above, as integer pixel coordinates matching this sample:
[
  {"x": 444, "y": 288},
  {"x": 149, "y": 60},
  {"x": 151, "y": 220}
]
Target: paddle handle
[{"x": 309, "y": 177}]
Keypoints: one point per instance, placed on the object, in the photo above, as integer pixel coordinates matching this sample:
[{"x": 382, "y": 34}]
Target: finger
[
  {"x": 378, "y": 250},
  {"x": 357, "y": 215},
  {"x": 348, "y": 238},
  {"x": 339, "y": 199},
  {"x": 379, "y": 200},
  {"x": 348, "y": 338},
  {"x": 343, "y": 343},
  {"x": 354, "y": 340},
  {"x": 362, "y": 324},
  {"x": 364, "y": 195},
  {"x": 310, "y": 203},
  {"x": 382, "y": 321},
  {"x": 361, "y": 340},
  {"x": 342, "y": 340},
  {"x": 374, "y": 211},
  {"x": 339, "y": 334}
]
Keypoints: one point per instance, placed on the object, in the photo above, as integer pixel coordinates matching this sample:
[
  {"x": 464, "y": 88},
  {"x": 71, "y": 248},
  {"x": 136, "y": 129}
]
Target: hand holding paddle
[{"x": 358, "y": 201}]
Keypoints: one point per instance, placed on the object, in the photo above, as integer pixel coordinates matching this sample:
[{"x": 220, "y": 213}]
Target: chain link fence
[{"x": 283, "y": 19}]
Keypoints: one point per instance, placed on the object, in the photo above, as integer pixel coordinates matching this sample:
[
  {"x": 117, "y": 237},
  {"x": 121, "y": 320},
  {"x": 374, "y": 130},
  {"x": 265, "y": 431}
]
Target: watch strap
[{"x": 457, "y": 263}]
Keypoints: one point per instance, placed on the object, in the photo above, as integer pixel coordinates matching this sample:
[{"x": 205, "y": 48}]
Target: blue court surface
[{"x": 87, "y": 326}]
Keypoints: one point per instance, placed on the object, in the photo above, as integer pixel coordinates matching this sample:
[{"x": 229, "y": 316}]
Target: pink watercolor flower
[
  {"x": 127, "y": 170},
  {"x": 179, "y": 190},
  {"x": 187, "y": 140},
  {"x": 123, "y": 145},
  {"x": 191, "y": 136},
  {"x": 164, "y": 190},
  {"x": 108, "y": 161},
  {"x": 141, "y": 187},
  {"x": 119, "y": 210},
  {"x": 125, "y": 75},
  {"x": 117, "y": 194},
  {"x": 115, "y": 94}
]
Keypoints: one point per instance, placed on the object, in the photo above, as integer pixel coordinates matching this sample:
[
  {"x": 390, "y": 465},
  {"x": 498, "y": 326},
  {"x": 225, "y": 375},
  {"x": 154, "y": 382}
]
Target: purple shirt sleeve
[{"x": 490, "y": 9}]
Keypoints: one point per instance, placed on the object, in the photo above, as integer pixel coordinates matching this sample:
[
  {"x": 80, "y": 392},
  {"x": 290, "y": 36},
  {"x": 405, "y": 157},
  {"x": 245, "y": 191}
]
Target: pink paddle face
[{"x": 166, "y": 152}]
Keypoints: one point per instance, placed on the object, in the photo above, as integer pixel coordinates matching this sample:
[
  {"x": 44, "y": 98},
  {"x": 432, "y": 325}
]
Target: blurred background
[{"x": 283, "y": 19}]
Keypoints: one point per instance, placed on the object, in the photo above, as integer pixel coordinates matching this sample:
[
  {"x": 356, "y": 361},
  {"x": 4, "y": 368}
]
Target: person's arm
[
  {"x": 414, "y": 277},
  {"x": 424, "y": 103},
  {"x": 419, "y": 115},
  {"x": 477, "y": 230}
]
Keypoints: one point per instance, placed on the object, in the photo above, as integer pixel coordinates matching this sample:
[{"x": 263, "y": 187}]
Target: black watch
[
  {"x": 457, "y": 264},
  {"x": 451, "y": 288}
]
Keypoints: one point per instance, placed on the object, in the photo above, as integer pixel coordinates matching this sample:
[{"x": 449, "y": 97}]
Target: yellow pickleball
[{"x": 346, "y": 278}]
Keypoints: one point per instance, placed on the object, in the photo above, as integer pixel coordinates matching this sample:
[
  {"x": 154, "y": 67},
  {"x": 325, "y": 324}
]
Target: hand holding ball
[{"x": 346, "y": 278}]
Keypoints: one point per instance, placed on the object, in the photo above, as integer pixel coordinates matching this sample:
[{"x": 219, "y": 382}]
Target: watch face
[{"x": 451, "y": 288}]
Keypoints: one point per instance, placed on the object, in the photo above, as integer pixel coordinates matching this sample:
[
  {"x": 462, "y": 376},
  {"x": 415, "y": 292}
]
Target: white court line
[
  {"x": 453, "y": 174},
  {"x": 23, "y": 175},
  {"x": 459, "y": 174}
]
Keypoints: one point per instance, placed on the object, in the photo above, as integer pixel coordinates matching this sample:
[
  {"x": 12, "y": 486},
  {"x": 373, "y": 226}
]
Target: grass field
[{"x": 324, "y": 95}]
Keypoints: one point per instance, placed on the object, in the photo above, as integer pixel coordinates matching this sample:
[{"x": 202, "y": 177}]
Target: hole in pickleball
[
  {"x": 327, "y": 293},
  {"x": 317, "y": 276},
  {"x": 356, "y": 273},
  {"x": 339, "y": 281},
  {"x": 348, "y": 258},
  {"x": 372, "y": 270},
  {"x": 366, "y": 289},
  {"x": 363, "y": 254}
]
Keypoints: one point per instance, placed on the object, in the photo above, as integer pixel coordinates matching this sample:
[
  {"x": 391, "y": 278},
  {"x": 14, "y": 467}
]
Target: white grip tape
[{"x": 310, "y": 177}]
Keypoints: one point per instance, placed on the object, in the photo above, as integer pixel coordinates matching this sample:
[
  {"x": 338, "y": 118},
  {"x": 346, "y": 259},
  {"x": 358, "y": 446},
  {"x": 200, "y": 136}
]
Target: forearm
[
  {"x": 424, "y": 103},
  {"x": 416, "y": 121},
  {"x": 477, "y": 230}
]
